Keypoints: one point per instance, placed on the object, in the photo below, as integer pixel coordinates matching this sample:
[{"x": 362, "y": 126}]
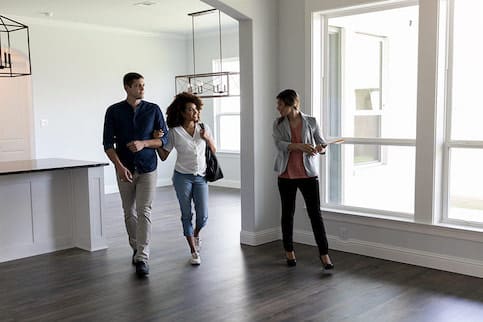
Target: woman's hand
[
  {"x": 163, "y": 154},
  {"x": 321, "y": 149},
  {"x": 305, "y": 147},
  {"x": 204, "y": 135},
  {"x": 136, "y": 146},
  {"x": 157, "y": 134},
  {"x": 208, "y": 140}
]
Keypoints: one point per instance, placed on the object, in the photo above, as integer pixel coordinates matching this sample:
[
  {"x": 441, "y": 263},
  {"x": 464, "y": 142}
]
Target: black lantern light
[
  {"x": 210, "y": 84},
  {"x": 14, "y": 48}
]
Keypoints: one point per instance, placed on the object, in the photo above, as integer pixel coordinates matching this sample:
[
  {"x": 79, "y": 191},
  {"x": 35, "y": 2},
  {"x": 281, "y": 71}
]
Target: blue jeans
[{"x": 190, "y": 187}]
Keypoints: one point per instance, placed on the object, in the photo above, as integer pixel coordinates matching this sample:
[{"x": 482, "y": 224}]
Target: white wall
[
  {"x": 16, "y": 133},
  {"x": 258, "y": 25},
  {"x": 292, "y": 48},
  {"x": 77, "y": 73}
]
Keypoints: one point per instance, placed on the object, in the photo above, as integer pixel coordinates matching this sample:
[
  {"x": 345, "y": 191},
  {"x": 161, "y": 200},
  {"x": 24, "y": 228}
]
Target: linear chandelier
[
  {"x": 14, "y": 48},
  {"x": 210, "y": 84}
]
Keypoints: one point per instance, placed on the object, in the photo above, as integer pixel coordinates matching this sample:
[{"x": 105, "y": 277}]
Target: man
[{"x": 128, "y": 142}]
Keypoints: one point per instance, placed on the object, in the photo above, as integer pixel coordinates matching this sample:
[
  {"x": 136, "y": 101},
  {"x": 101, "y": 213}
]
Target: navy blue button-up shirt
[{"x": 124, "y": 124}]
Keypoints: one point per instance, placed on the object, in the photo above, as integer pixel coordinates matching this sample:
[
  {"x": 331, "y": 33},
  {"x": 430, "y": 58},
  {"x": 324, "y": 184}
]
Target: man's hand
[
  {"x": 136, "y": 146},
  {"x": 124, "y": 174}
]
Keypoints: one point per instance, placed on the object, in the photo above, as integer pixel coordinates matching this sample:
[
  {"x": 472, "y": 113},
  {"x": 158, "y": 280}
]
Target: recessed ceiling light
[
  {"x": 47, "y": 13},
  {"x": 144, "y": 3}
]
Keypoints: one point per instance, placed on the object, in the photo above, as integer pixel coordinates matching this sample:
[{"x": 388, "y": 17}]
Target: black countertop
[{"x": 25, "y": 166}]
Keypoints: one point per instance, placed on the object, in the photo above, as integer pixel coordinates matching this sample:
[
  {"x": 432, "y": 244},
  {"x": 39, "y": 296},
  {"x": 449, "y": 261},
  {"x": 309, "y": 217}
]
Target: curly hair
[{"x": 174, "y": 116}]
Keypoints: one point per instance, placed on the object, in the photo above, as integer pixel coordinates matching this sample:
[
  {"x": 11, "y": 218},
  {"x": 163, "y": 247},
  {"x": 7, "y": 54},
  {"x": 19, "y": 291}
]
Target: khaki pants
[{"x": 137, "y": 198}]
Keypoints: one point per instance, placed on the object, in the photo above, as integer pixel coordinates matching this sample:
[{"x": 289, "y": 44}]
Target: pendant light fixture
[
  {"x": 210, "y": 84},
  {"x": 14, "y": 48}
]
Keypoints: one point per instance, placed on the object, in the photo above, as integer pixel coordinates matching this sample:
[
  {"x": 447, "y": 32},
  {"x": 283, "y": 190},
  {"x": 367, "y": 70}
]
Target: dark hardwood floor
[{"x": 233, "y": 283}]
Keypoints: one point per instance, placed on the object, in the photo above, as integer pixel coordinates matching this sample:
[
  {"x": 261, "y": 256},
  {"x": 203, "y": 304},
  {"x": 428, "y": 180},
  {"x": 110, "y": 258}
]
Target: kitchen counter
[
  {"x": 50, "y": 204},
  {"x": 22, "y": 166}
]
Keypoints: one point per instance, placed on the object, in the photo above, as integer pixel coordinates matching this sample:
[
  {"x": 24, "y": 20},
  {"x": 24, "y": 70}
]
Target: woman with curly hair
[{"x": 190, "y": 140}]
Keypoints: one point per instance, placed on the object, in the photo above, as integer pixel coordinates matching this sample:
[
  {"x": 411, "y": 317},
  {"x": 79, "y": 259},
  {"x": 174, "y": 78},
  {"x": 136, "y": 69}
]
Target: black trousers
[{"x": 309, "y": 187}]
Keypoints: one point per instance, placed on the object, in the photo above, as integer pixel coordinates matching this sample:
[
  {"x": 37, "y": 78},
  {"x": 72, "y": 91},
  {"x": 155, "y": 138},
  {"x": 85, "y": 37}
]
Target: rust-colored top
[{"x": 295, "y": 166}]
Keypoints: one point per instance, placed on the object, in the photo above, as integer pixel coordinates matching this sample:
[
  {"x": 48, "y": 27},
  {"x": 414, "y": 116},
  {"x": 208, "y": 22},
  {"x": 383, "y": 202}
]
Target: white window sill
[
  {"x": 400, "y": 223},
  {"x": 229, "y": 154}
]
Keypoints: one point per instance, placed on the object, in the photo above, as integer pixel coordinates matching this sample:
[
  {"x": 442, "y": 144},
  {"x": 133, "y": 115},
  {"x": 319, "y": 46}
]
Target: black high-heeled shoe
[
  {"x": 291, "y": 262},
  {"x": 326, "y": 266}
]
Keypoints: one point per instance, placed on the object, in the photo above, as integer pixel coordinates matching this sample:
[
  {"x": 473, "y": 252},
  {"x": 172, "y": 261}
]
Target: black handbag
[{"x": 213, "y": 169}]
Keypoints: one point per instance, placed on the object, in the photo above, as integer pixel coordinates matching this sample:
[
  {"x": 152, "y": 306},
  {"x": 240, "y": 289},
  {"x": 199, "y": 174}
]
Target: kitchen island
[{"x": 50, "y": 204}]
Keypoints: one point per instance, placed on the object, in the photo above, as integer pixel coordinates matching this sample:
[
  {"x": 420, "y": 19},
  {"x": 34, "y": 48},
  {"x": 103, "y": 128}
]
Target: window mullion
[
  {"x": 445, "y": 72},
  {"x": 322, "y": 74},
  {"x": 379, "y": 141},
  {"x": 465, "y": 144},
  {"x": 426, "y": 196}
]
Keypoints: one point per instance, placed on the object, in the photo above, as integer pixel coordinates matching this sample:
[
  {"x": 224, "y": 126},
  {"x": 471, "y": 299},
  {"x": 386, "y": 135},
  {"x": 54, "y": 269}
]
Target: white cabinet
[{"x": 56, "y": 205}]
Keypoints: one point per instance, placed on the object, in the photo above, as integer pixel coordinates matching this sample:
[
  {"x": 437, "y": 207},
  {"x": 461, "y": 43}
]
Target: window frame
[
  {"x": 217, "y": 129},
  {"x": 446, "y": 32},
  {"x": 216, "y": 107},
  {"x": 321, "y": 21},
  {"x": 432, "y": 142}
]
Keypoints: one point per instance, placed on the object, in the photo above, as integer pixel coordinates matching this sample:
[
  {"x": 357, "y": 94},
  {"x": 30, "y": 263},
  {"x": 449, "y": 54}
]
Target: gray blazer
[{"x": 310, "y": 134}]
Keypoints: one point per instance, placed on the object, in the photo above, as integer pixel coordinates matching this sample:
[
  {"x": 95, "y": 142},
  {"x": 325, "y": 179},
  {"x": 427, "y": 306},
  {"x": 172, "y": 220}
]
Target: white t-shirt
[{"x": 191, "y": 150}]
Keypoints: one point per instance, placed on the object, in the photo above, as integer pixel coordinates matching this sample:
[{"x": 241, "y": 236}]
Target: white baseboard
[
  {"x": 398, "y": 254},
  {"x": 164, "y": 182},
  {"x": 17, "y": 251},
  {"x": 226, "y": 183},
  {"x": 304, "y": 237},
  {"x": 91, "y": 245},
  {"x": 260, "y": 237}
]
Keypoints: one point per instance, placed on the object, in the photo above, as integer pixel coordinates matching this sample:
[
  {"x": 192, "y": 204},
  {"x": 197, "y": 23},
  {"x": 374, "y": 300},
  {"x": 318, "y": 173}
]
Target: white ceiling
[{"x": 163, "y": 16}]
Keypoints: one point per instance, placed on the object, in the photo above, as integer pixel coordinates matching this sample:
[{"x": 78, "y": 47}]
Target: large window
[
  {"x": 227, "y": 111},
  {"x": 463, "y": 142},
  {"x": 371, "y": 94},
  {"x": 371, "y": 88}
]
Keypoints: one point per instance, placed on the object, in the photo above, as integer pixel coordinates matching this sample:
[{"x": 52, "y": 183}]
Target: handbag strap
[{"x": 207, "y": 149}]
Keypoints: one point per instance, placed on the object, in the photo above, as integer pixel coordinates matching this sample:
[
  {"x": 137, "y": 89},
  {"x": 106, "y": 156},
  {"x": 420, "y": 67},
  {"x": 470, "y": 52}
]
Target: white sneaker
[
  {"x": 195, "y": 258},
  {"x": 197, "y": 244}
]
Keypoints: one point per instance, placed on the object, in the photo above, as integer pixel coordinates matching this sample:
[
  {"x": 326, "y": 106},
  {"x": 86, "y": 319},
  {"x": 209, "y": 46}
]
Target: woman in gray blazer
[{"x": 298, "y": 140}]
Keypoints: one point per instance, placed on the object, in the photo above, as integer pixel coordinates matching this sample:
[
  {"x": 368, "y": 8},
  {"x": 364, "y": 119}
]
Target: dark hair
[
  {"x": 129, "y": 78},
  {"x": 290, "y": 98},
  {"x": 174, "y": 117}
]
